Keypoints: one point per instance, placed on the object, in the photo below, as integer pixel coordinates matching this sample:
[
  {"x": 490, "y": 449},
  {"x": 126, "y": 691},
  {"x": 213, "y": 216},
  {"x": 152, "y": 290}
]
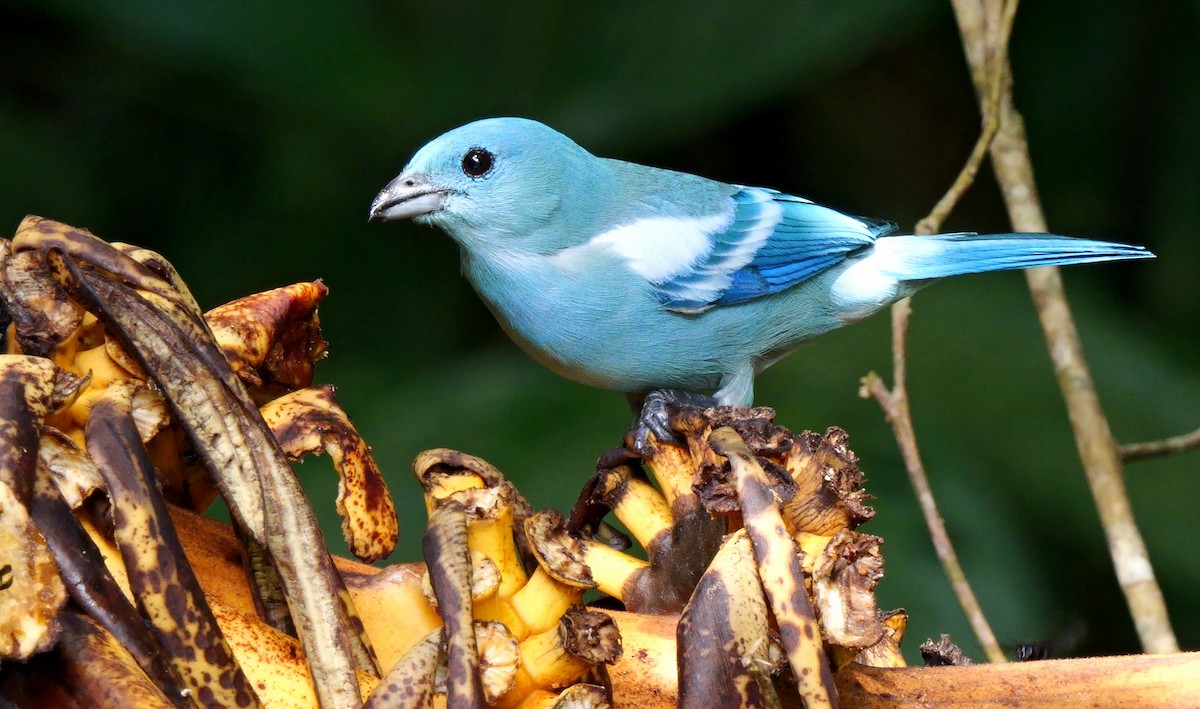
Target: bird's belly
[
  {"x": 621, "y": 344},
  {"x": 615, "y": 334}
]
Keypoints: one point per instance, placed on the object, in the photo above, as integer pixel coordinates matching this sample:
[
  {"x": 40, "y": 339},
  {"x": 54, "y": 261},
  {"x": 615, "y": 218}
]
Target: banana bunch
[
  {"x": 125, "y": 411},
  {"x": 118, "y": 396},
  {"x": 524, "y": 639},
  {"x": 749, "y": 535},
  {"x": 122, "y": 405},
  {"x": 130, "y": 406}
]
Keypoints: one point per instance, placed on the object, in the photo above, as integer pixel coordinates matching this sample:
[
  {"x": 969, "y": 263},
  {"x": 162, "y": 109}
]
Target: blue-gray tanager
[{"x": 640, "y": 279}]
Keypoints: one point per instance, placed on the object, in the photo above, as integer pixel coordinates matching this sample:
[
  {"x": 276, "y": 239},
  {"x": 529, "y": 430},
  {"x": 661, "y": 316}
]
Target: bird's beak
[{"x": 409, "y": 195}]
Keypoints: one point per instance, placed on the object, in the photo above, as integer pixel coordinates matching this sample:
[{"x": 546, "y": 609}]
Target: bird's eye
[{"x": 477, "y": 162}]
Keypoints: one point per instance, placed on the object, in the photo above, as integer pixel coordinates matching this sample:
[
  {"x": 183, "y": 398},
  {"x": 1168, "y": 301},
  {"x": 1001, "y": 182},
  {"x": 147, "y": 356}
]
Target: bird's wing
[{"x": 772, "y": 242}]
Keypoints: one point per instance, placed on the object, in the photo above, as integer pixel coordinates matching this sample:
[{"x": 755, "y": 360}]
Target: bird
[{"x": 670, "y": 287}]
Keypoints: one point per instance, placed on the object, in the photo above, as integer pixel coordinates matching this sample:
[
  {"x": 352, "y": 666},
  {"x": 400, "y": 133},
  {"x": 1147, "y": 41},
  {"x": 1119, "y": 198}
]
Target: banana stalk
[
  {"x": 639, "y": 506},
  {"x": 543, "y": 600}
]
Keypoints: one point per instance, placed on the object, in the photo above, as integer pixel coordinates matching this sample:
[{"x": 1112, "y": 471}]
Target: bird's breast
[{"x": 596, "y": 323}]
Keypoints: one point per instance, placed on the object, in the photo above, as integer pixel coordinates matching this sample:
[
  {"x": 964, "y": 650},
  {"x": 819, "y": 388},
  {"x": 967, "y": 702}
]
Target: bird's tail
[{"x": 941, "y": 255}]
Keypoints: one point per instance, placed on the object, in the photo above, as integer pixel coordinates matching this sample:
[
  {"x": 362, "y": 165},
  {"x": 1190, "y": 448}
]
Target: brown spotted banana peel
[
  {"x": 31, "y": 591},
  {"x": 162, "y": 328}
]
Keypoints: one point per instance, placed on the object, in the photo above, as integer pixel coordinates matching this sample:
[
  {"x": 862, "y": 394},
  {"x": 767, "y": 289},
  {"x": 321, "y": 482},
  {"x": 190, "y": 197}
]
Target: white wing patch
[
  {"x": 755, "y": 217},
  {"x": 659, "y": 248},
  {"x": 764, "y": 225}
]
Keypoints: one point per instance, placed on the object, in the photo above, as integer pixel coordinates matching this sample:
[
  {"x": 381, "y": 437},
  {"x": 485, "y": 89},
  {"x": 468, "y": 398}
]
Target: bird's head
[{"x": 498, "y": 178}]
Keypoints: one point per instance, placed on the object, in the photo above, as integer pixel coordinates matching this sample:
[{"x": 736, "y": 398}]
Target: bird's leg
[{"x": 654, "y": 410}]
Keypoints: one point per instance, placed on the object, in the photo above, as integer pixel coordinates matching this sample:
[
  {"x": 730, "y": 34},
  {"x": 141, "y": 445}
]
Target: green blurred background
[{"x": 245, "y": 141}]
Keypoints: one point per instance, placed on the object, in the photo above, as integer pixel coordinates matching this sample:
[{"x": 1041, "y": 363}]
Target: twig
[
  {"x": 894, "y": 403},
  {"x": 1097, "y": 449},
  {"x": 990, "y": 109},
  {"x": 1166, "y": 446}
]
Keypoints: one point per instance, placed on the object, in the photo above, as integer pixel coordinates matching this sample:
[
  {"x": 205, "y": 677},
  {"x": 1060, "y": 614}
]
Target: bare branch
[
  {"x": 1097, "y": 449},
  {"x": 1155, "y": 449},
  {"x": 990, "y": 108},
  {"x": 894, "y": 403}
]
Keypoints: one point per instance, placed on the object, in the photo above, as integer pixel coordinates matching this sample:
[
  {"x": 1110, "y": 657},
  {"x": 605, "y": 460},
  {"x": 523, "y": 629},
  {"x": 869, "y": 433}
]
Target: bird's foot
[{"x": 654, "y": 416}]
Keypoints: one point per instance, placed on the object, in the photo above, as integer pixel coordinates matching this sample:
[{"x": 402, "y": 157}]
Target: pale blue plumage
[{"x": 634, "y": 278}]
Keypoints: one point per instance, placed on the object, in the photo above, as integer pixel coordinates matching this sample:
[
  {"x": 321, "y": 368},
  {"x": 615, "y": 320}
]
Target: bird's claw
[{"x": 655, "y": 417}]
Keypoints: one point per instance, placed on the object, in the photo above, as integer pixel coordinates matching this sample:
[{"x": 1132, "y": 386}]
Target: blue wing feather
[{"x": 773, "y": 242}]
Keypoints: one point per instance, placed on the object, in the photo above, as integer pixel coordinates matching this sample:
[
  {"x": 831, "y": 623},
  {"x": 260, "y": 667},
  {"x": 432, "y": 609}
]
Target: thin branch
[
  {"x": 894, "y": 403},
  {"x": 1097, "y": 448},
  {"x": 990, "y": 109},
  {"x": 1155, "y": 449}
]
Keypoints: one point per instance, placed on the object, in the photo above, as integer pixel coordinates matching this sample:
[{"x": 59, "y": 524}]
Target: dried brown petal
[
  {"x": 590, "y": 635},
  {"x": 829, "y": 495},
  {"x": 272, "y": 338},
  {"x": 429, "y": 467},
  {"x": 150, "y": 412},
  {"x": 74, "y": 472},
  {"x": 43, "y": 317},
  {"x": 886, "y": 651},
  {"x": 844, "y": 577},
  {"x": 558, "y": 553},
  {"x": 943, "y": 653},
  {"x": 769, "y": 444}
]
